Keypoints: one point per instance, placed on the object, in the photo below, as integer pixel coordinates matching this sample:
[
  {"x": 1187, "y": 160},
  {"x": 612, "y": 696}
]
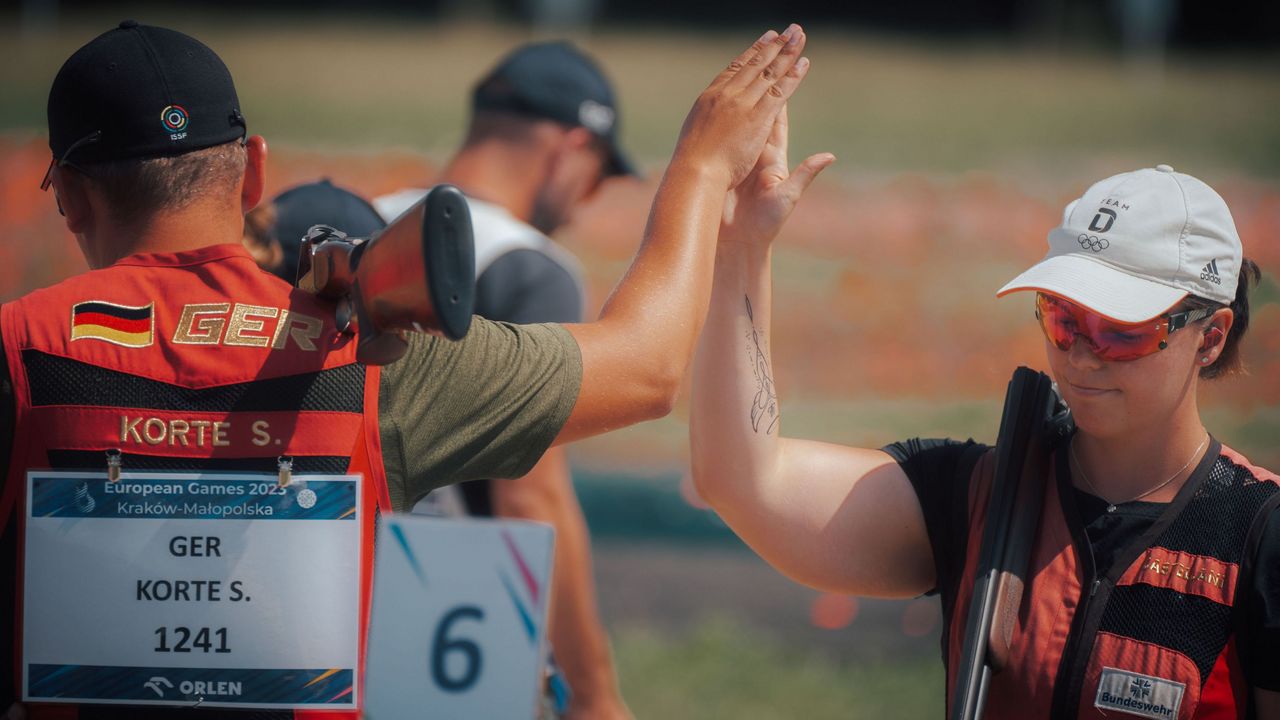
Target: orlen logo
[
  {"x": 210, "y": 688},
  {"x": 155, "y": 683}
]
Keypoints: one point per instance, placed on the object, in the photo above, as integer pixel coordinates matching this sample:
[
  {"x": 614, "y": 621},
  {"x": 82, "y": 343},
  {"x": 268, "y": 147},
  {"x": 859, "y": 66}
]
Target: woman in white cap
[{"x": 1155, "y": 572}]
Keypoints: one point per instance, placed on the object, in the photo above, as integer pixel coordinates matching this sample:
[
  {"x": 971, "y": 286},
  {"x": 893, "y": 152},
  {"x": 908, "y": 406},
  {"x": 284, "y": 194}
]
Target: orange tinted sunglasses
[{"x": 1063, "y": 321}]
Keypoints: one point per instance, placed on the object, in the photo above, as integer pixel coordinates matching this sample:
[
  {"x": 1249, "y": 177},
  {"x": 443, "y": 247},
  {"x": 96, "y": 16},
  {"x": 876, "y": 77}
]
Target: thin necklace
[{"x": 1111, "y": 506}]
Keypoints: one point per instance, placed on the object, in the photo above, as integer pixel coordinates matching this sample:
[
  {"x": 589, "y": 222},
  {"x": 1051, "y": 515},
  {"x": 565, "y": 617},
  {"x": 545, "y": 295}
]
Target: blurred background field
[{"x": 956, "y": 154}]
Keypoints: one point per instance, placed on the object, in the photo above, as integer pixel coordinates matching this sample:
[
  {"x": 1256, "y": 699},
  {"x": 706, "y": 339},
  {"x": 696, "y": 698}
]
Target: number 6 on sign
[
  {"x": 458, "y": 628},
  {"x": 442, "y": 645}
]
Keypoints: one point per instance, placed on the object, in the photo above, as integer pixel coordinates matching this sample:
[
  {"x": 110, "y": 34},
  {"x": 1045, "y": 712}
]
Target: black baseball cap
[
  {"x": 319, "y": 203},
  {"x": 556, "y": 81},
  {"x": 138, "y": 91}
]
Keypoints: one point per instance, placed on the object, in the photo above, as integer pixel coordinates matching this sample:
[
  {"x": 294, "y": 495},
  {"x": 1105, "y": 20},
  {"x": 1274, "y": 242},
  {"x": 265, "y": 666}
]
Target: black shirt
[{"x": 940, "y": 472}]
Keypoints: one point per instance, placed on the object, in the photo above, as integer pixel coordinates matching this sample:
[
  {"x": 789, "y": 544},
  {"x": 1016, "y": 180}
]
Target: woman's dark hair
[{"x": 1229, "y": 361}]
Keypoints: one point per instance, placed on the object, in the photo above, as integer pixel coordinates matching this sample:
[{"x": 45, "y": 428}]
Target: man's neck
[
  {"x": 191, "y": 228},
  {"x": 499, "y": 174}
]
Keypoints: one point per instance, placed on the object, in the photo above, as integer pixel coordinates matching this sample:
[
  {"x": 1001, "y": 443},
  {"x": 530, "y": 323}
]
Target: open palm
[{"x": 755, "y": 210}]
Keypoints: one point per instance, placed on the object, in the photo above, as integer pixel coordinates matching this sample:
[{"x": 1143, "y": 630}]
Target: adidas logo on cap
[{"x": 1210, "y": 272}]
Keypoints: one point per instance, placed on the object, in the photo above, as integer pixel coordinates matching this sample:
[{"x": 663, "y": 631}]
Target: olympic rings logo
[
  {"x": 1093, "y": 242},
  {"x": 174, "y": 118}
]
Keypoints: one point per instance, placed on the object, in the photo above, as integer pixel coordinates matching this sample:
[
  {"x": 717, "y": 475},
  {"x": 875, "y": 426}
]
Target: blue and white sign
[
  {"x": 459, "y": 619},
  {"x": 212, "y": 589}
]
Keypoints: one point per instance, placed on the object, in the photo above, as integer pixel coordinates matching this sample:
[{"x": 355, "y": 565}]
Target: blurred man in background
[{"x": 542, "y": 140}]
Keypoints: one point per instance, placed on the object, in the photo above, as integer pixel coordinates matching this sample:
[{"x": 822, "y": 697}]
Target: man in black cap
[
  {"x": 176, "y": 353},
  {"x": 543, "y": 137}
]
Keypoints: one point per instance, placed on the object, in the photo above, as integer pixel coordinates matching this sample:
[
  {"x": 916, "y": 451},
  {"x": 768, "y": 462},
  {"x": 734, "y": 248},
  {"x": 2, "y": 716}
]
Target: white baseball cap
[{"x": 1136, "y": 244}]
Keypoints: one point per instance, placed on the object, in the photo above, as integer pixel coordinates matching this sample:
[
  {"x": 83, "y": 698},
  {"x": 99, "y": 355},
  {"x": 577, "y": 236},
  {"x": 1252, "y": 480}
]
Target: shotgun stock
[
  {"x": 416, "y": 275},
  {"x": 1034, "y": 421}
]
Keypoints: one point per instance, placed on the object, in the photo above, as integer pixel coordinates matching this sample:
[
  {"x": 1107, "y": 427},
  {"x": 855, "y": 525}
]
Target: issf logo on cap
[{"x": 174, "y": 119}]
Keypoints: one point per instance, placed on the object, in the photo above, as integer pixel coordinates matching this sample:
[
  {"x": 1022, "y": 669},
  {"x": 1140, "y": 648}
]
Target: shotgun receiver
[{"x": 1034, "y": 421}]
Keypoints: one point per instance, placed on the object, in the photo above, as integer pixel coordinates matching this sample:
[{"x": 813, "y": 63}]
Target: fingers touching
[
  {"x": 777, "y": 94},
  {"x": 764, "y": 78},
  {"x": 733, "y": 120},
  {"x": 778, "y": 135},
  {"x": 740, "y": 62},
  {"x": 771, "y": 68}
]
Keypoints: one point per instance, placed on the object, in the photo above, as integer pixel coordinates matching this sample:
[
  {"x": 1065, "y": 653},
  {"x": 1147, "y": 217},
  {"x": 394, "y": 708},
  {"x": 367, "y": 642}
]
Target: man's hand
[
  {"x": 727, "y": 127},
  {"x": 755, "y": 210}
]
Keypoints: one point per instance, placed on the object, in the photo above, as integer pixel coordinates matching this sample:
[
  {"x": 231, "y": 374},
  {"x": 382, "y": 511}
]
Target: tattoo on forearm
[{"x": 764, "y": 408}]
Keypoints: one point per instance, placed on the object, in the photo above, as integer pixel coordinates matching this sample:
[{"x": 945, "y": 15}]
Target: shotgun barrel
[{"x": 1034, "y": 420}]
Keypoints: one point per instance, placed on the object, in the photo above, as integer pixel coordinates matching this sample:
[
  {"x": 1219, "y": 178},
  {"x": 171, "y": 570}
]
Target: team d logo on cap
[{"x": 174, "y": 118}]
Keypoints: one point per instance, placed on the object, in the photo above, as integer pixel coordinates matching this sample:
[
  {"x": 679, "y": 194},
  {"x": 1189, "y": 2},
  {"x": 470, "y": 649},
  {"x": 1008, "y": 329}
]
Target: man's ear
[
  {"x": 255, "y": 173},
  {"x": 71, "y": 193},
  {"x": 578, "y": 138}
]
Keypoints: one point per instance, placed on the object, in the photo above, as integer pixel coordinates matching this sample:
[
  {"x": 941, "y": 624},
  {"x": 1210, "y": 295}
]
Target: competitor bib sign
[
  {"x": 192, "y": 589},
  {"x": 459, "y": 618}
]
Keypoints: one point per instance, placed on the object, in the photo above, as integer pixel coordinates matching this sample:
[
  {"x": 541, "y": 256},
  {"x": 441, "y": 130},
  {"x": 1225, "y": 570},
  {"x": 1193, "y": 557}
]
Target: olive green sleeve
[{"x": 486, "y": 406}]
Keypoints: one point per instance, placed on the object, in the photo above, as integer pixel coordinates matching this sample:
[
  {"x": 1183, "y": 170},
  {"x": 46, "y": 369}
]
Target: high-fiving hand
[
  {"x": 756, "y": 208},
  {"x": 731, "y": 120}
]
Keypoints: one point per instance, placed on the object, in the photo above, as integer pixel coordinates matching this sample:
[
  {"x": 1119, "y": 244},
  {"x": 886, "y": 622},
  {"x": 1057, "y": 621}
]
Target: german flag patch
[{"x": 119, "y": 324}]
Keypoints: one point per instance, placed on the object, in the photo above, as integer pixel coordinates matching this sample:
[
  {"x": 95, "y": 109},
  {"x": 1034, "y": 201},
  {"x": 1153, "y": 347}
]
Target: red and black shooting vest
[
  {"x": 186, "y": 361},
  {"x": 1154, "y": 635}
]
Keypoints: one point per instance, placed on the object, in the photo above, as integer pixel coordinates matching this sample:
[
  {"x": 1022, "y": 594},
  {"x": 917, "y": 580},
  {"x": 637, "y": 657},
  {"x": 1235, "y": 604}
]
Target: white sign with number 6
[{"x": 458, "y": 628}]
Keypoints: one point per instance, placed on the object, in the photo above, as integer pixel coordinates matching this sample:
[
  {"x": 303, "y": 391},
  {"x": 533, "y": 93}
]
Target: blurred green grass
[
  {"x": 879, "y": 104},
  {"x": 725, "y": 670}
]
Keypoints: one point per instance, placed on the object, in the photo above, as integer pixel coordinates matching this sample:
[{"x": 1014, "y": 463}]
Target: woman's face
[{"x": 1111, "y": 398}]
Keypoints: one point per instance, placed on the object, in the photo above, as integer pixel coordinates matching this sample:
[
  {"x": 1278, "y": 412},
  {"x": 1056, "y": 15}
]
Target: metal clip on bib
[
  {"x": 113, "y": 466},
  {"x": 285, "y": 464}
]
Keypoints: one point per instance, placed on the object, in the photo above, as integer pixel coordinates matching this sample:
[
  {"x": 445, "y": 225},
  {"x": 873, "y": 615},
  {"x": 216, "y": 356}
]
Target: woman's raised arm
[{"x": 836, "y": 518}]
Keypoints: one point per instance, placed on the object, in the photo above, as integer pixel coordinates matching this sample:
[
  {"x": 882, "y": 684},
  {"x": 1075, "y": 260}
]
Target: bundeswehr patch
[
  {"x": 1142, "y": 695},
  {"x": 120, "y": 324}
]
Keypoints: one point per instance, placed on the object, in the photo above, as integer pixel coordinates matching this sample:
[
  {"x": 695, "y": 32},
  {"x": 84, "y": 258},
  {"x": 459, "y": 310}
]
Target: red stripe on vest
[
  {"x": 1184, "y": 572},
  {"x": 193, "y": 435},
  {"x": 1224, "y": 687}
]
